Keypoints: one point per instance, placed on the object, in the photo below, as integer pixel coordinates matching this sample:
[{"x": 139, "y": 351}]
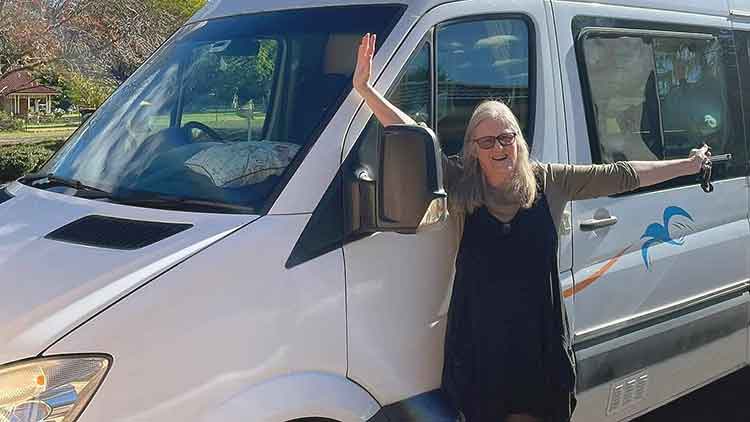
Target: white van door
[
  {"x": 398, "y": 286},
  {"x": 660, "y": 273}
]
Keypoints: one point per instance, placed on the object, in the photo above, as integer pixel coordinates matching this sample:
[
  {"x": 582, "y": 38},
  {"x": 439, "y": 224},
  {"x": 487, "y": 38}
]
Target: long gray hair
[{"x": 469, "y": 192}]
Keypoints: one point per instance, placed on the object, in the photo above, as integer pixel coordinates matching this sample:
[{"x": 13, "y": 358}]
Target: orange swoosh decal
[{"x": 593, "y": 277}]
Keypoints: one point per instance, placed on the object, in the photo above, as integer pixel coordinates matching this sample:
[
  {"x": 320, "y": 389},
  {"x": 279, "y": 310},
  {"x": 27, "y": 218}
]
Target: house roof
[{"x": 23, "y": 83}]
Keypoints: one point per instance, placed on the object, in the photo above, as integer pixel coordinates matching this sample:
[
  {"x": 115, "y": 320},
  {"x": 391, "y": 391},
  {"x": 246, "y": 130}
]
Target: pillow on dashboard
[{"x": 243, "y": 163}]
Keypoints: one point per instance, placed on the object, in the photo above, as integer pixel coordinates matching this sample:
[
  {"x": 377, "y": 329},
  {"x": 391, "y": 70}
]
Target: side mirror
[
  {"x": 386, "y": 183},
  {"x": 410, "y": 178}
]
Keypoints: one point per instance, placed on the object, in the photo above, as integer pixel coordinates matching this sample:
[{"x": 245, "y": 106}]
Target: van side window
[
  {"x": 623, "y": 90},
  {"x": 655, "y": 97},
  {"x": 412, "y": 93},
  {"x": 479, "y": 60},
  {"x": 692, "y": 94}
]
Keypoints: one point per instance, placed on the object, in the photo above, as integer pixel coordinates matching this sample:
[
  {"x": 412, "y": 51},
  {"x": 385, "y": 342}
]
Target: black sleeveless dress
[{"x": 507, "y": 347}]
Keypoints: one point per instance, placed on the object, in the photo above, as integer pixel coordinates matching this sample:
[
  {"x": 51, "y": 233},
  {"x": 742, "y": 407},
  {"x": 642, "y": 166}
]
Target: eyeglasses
[{"x": 505, "y": 139}]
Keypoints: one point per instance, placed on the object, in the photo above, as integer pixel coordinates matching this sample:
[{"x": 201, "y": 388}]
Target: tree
[
  {"x": 31, "y": 31},
  {"x": 115, "y": 37},
  {"x": 122, "y": 34},
  {"x": 230, "y": 76},
  {"x": 106, "y": 39},
  {"x": 75, "y": 89},
  {"x": 86, "y": 92},
  {"x": 181, "y": 9}
]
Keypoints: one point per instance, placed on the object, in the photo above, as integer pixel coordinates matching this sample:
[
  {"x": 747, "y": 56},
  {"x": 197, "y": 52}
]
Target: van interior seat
[{"x": 317, "y": 93}]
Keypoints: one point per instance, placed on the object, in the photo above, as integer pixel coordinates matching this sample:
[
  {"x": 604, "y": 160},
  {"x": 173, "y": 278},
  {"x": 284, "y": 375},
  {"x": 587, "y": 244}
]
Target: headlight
[{"x": 53, "y": 389}]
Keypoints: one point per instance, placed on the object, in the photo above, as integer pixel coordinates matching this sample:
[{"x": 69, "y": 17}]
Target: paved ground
[{"x": 726, "y": 400}]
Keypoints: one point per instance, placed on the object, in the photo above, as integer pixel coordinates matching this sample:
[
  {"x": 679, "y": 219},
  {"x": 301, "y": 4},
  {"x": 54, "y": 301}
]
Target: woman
[{"x": 508, "y": 356}]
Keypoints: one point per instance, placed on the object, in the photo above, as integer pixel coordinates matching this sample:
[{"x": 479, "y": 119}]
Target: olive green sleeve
[{"x": 591, "y": 181}]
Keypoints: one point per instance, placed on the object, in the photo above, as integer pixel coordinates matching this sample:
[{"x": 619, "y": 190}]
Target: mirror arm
[{"x": 362, "y": 213}]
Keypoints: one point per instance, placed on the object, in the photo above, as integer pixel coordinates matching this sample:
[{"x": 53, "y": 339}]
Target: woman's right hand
[
  {"x": 363, "y": 71},
  {"x": 387, "y": 113}
]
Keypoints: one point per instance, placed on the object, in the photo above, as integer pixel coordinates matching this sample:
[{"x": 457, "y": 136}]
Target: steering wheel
[{"x": 203, "y": 128}]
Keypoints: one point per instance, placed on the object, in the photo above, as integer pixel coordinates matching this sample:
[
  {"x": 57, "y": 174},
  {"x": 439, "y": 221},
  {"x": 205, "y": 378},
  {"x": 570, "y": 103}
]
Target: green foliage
[
  {"x": 265, "y": 62},
  {"x": 9, "y": 123},
  {"x": 248, "y": 78},
  {"x": 75, "y": 88},
  {"x": 53, "y": 120},
  {"x": 17, "y": 160},
  {"x": 85, "y": 92},
  {"x": 52, "y": 75},
  {"x": 181, "y": 9}
]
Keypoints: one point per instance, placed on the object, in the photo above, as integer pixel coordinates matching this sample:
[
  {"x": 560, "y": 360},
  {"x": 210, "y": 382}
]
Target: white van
[{"x": 233, "y": 237}]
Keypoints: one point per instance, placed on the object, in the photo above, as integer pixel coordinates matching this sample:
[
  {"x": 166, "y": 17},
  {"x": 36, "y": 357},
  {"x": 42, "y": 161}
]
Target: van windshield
[{"x": 223, "y": 112}]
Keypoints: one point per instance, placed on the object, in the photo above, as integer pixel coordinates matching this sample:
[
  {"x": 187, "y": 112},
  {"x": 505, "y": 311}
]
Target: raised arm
[
  {"x": 591, "y": 181},
  {"x": 384, "y": 110},
  {"x": 654, "y": 172}
]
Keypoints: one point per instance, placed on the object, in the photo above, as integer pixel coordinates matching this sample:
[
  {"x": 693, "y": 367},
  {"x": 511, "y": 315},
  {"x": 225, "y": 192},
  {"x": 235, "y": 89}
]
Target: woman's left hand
[
  {"x": 699, "y": 157},
  {"x": 653, "y": 172}
]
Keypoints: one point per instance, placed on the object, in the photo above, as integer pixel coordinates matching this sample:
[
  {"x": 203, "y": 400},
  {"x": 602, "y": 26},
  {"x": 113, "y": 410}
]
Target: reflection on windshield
[{"x": 223, "y": 110}]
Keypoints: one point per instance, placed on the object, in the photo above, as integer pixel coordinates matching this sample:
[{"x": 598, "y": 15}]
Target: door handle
[
  {"x": 720, "y": 158},
  {"x": 598, "y": 223}
]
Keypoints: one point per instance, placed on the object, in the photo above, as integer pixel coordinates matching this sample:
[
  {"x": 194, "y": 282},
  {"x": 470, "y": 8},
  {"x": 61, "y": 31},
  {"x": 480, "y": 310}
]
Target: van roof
[{"x": 222, "y": 8}]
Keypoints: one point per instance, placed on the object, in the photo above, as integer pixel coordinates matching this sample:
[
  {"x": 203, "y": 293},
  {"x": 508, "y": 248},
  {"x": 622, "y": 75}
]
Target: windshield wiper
[
  {"x": 150, "y": 201},
  {"x": 51, "y": 179},
  {"x": 182, "y": 204}
]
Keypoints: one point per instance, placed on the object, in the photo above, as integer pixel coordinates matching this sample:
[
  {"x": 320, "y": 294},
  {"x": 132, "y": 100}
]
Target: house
[{"x": 20, "y": 95}]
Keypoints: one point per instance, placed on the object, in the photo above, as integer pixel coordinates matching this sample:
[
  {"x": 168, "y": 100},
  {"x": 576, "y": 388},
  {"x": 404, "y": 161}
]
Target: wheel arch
[{"x": 301, "y": 397}]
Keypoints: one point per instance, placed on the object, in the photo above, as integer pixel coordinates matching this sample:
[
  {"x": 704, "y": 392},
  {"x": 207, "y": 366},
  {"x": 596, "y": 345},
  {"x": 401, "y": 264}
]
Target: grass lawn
[
  {"x": 7, "y": 138},
  {"x": 51, "y": 126},
  {"x": 222, "y": 121},
  {"x": 226, "y": 122}
]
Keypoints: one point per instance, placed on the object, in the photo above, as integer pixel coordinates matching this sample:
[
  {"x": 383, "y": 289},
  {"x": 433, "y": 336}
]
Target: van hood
[{"x": 50, "y": 287}]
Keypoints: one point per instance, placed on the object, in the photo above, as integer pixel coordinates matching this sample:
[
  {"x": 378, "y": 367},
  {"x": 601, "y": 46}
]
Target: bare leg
[{"x": 521, "y": 417}]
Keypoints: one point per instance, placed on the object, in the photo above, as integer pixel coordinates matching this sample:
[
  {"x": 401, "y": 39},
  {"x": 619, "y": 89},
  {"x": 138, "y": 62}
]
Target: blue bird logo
[{"x": 657, "y": 233}]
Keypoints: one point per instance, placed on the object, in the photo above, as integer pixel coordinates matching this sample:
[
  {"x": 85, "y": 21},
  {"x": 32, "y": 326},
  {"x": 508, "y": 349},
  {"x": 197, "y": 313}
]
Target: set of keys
[{"x": 706, "y": 170}]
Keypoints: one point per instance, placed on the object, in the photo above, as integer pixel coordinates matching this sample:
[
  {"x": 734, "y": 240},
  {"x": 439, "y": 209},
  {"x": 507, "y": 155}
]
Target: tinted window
[
  {"x": 622, "y": 80},
  {"x": 656, "y": 96},
  {"x": 692, "y": 95},
  {"x": 478, "y": 60}
]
